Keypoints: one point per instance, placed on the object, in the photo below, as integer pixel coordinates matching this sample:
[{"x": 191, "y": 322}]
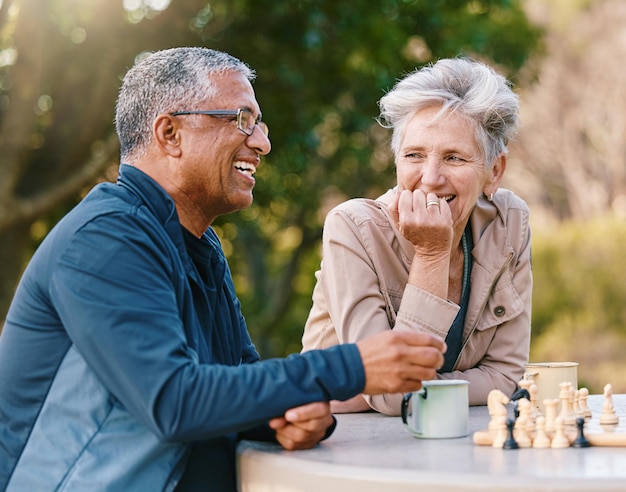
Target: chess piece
[
  {"x": 560, "y": 440},
  {"x": 581, "y": 441},
  {"x": 608, "y": 416},
  {"x": 541, "y": 439},
  {"x": 567, "y": 414},
  {"x": 525, "y": 384},
  {"x": 535, "y": 412},
  {"x": 500, "y": 430},
  {"x": 525, "y": 409},
  {"x": 583, "y": 395},
  {"x": 496, "y": 401},
  {"x": 483, "y": 438},
  {"x": 564, "y": 392},
  {"x": 551, "y": 406},
  {"x": 519, "y": 395},
  {"x": 576, "y": 404},
  {"x": 520, "y": 433},
  {"x": 522, "y": 424},
  {"x": 531, "y": 430},
  {"x": 510, "y": 442}
]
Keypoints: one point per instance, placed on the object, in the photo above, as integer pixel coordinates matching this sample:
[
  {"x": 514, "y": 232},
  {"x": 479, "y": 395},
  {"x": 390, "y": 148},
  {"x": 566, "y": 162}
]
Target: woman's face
[{"x": 442, "y": 157}]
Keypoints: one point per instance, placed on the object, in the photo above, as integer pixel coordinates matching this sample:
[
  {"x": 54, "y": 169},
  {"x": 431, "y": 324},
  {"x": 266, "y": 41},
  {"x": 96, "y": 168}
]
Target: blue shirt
[{"x": 125, "y": 344}]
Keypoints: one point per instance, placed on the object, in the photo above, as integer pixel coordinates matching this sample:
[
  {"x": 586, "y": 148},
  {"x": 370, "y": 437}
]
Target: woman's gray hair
[
  {"x": 164, "y": 82},
  {"x": 473, "y": 89}
]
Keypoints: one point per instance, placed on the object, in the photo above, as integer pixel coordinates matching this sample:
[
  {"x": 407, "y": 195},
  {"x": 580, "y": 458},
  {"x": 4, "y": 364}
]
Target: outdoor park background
[{"x": 322, "y": 65}]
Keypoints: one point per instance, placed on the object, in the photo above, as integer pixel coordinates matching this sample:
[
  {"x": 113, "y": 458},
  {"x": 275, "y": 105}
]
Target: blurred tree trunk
[
  {"x": 16, "y": 129},
  {"x": 56, "y": 114},
  {"x": 31, "y": 184},
  {"x": 570, "y": 160}
]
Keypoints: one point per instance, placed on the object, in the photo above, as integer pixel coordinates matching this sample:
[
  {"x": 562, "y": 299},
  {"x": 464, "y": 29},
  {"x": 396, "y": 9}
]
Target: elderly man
[{"x": 125, "y": 361}]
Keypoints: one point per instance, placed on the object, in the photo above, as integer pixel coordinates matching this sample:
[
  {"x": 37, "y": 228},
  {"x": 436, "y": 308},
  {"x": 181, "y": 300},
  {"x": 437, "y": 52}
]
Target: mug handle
[
  {"x": 404, "y": 409},
  {"x": 405, "y": 406}
]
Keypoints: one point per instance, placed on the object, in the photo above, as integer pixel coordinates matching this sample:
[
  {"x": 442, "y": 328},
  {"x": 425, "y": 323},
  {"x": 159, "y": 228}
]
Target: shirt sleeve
[{"x": 113, "y": 291}]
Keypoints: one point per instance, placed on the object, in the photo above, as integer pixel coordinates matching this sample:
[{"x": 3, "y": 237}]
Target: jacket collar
[{"x": 155, "y": 199}]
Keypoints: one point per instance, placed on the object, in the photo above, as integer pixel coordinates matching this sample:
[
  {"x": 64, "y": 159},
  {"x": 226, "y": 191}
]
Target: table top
[{"x": 374, "y": 452}]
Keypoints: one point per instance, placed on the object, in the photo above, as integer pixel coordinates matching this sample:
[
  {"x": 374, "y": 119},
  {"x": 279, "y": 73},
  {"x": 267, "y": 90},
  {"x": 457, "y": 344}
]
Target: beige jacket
[{"x": 361, "y": 290}]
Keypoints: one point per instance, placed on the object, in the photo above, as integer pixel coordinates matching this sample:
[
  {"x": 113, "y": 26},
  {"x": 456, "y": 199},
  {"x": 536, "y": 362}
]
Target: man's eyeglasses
[{"x": 245, "y": 119}]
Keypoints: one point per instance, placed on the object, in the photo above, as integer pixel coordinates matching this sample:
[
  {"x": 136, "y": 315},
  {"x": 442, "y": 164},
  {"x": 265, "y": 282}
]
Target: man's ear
[
  {"x": 494, "y": 176},
  {"x": 167, "y": 135}
]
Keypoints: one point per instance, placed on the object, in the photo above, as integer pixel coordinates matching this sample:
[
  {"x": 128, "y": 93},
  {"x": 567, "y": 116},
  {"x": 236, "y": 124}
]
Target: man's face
[{"x": 220, "y": 160}]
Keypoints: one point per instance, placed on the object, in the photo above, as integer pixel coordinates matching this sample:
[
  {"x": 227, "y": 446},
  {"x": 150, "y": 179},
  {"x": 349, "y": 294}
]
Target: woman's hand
[{"x": 425, "y": 220}]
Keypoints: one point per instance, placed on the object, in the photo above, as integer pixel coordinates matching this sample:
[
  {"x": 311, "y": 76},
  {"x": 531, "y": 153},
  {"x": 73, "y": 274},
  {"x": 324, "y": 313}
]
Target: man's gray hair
[
  {"x": 164, "y": 82},
  {"x": 472, "y": 88}
]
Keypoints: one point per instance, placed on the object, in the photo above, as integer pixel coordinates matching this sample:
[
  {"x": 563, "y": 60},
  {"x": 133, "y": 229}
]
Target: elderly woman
[{"x": 445, "y": 251}]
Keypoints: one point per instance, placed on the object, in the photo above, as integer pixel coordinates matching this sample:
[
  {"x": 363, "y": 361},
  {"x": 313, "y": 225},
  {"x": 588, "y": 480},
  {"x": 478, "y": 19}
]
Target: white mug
[
  {"x": 440, "y": 409},
  {"x": 548, "y": 377}
]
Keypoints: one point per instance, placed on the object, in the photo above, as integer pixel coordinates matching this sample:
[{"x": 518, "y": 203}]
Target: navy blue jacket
[{"x": 125, "y": 361}]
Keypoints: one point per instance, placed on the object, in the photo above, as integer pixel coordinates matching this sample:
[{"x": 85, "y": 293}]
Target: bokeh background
[{"x": 322, "y": 65}]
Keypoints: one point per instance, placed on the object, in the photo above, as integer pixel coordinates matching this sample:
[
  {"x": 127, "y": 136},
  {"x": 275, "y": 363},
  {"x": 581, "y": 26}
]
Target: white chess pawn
[
  {"x": 576, "y": 404},
  {"x": 531, "y": 430},
  {"x": 551, "y": 405},
  {"x": 560, "y": 440},
  {"x": 520, "y": 432},
  {"x": 541, "y": 439},
  {"x": 583, "y": 395},
  {"x": 525, "y": 409},
  {"x": 525, "y": 384},
  {"x": 534, "y": 391}
]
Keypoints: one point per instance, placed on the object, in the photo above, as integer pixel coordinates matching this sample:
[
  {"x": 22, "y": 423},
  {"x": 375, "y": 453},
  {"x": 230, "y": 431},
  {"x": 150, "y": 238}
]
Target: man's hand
[
  {"x": 304, "y": 426},
  {"x": 398, "y": 361}
]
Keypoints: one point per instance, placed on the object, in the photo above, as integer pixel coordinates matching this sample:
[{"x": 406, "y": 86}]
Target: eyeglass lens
[{"x": 247, "y": 122}]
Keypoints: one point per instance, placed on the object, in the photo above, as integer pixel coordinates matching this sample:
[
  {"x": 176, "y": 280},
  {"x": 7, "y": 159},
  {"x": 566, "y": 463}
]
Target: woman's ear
[
  {"x": 494, "y": 175},
  {"x": 167, "y": 135}
]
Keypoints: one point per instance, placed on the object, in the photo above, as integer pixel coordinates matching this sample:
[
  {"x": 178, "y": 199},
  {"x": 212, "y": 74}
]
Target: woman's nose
[{"x": 431, "y": 172}]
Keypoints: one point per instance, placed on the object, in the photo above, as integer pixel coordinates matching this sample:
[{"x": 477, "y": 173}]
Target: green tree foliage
[
  {"x": 579, "y": 311},
  {"x": 322, "y": 66},
  {"x": 321, "y": 69}
]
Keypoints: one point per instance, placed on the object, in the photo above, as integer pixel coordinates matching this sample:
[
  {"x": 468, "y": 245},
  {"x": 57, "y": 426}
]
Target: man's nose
[{"x": 259, "y": 141}]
